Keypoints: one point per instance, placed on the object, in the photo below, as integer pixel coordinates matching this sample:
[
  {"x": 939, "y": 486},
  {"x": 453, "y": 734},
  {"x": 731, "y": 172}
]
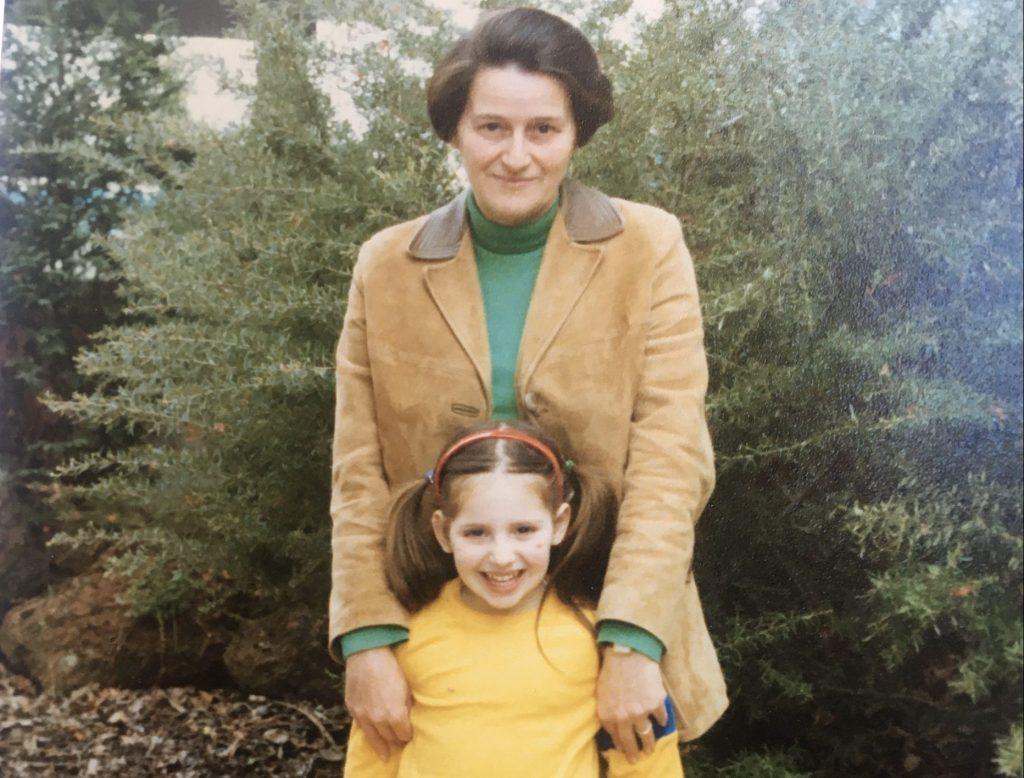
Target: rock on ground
[
  {"x": 83, "y": 632},
  {"x": 284, "y": 653}
]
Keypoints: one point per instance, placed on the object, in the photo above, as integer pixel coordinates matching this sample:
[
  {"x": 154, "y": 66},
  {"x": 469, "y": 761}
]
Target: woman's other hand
[
  {"x": 630, "y": 692},
  {"x": 377, "y": 697}
]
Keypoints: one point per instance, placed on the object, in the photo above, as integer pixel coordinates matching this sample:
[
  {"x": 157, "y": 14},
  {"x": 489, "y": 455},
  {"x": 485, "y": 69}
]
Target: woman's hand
[
  {"x": 630, "y": 692},
  {"x": 377, "y": 697}
]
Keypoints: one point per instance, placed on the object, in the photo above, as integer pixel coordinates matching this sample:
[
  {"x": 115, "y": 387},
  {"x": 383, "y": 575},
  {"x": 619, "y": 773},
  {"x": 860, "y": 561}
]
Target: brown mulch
[{"x": 95, "y": 731}]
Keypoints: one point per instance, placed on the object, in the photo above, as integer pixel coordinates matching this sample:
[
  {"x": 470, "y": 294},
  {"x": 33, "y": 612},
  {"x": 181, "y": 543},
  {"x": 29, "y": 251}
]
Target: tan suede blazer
[{"x": 611, "y": 360}]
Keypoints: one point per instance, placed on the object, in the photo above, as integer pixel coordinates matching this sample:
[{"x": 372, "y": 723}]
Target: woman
[{"x": 535, "y": 296}]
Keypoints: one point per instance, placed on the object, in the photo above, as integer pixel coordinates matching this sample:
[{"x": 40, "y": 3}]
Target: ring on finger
[{"x": 646, "y": 730}]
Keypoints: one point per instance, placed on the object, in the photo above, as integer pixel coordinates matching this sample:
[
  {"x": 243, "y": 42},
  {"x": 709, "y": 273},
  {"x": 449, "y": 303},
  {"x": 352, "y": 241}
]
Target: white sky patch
[
  {"x": 208, "y": 60},
  {"x": 17, "y": 35},
  {"x": 464, "y": 13},
  {"x": 625, "y": 28},
  {"x": 335, "y": 81}
]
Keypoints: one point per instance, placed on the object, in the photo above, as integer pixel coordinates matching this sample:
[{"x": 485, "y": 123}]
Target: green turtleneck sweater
[{"x": 507, "y": 262}]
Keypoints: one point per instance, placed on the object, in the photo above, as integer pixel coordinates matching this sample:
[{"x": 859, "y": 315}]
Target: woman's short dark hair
[{"x": 537, "y": 42}]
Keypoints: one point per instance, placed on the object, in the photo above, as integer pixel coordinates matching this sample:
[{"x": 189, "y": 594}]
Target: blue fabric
[{"x": 604, "y": 740}]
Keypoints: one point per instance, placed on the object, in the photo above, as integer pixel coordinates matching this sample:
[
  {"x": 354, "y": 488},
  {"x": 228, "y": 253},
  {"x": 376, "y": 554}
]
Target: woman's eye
[
  {"x": 525, "y": 529},
  {"x": 472, "y": 533},
  {"x": 544, "y": 129},
  {"x": 490, "y": 127}
]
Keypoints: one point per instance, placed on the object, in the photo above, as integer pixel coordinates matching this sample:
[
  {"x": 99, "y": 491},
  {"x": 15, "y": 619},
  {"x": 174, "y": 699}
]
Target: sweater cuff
[
  {"x": 625, "y": 634},
  {"x": 377, "y": 636}
]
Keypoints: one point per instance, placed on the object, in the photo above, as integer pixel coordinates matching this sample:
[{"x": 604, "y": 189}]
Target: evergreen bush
[
  {"x": 237, "y": 278},
  {"x": 849, "y": 178},
  {"x": 78, "y": 78}
]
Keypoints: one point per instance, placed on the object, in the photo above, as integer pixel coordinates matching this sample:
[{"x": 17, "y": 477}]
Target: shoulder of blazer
[
  {"x": 382, "y": 250},
  {"x": 590, "y": 216},
  {"x": 648, "y": 218}
]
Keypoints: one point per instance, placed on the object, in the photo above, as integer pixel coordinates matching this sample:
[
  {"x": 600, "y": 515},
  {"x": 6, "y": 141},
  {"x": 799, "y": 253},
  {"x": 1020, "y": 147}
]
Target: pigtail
[
  {"x": 415, "y": 565},
  {"x": 579, "y": 562}
]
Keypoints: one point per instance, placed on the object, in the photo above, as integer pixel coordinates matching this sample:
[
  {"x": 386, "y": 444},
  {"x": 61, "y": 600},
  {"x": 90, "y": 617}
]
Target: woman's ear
[
  {"x": 560, "y": 523},
  {"x": 437, "y": 521},
  {"x": 455, "y": 141}
]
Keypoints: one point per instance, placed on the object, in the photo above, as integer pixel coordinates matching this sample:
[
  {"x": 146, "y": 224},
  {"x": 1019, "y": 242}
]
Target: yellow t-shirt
[{"x": 486, "y": 703}]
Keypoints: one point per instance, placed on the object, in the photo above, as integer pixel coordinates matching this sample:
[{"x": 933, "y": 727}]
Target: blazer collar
[{"x": 589, "y": 217}]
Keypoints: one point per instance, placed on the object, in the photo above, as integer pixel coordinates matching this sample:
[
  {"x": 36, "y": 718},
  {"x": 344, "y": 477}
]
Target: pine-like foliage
[
  {"x": 238, "y": 275},
  {"x": 849, "y": 177},
  {"x": 78, "y": 75}
]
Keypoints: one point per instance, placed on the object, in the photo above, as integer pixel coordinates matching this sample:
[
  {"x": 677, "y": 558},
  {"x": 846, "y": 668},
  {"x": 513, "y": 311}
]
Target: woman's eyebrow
[{"x": 499, "y": 117}]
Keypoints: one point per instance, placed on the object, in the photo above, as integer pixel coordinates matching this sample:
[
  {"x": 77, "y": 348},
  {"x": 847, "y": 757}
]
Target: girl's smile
[{"x": 501, "y": 539}]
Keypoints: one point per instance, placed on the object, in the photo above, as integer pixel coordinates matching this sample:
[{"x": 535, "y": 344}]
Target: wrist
[
  {"x": 627, "y": 634},
  {"x": 622, "y": 655},
  {"x": 367, "y": 655},
  {"x": 375, "y": 636}
]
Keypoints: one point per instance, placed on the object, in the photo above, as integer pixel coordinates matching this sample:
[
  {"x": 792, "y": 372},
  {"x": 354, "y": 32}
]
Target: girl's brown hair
[
  {"x": 417, "y": 567},
  {"x": 535, "y": 41}
]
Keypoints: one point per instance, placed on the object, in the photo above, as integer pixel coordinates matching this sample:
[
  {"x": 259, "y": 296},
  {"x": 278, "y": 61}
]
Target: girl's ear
[
  {"x": 437, "y": 522},
  {"x": 560, "y": 523}
]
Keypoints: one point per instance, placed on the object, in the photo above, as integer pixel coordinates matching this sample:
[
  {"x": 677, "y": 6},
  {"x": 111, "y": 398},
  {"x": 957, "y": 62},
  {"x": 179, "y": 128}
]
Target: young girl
[{"x": 500, "y": 554}]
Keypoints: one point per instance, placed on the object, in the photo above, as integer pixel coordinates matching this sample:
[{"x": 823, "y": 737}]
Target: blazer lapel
[
  {"x": 565, "y": 271},
  {"x": 455, "y": 289},
  {"x": 573, "y": 252}
]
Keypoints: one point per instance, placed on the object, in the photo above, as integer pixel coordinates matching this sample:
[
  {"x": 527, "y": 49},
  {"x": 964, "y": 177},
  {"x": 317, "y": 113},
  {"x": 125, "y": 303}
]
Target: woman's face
[{"x": 516, "y": 138}]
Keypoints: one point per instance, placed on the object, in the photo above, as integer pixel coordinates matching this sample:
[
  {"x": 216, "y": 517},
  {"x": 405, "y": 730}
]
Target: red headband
[{"x": 505, "y": 434}]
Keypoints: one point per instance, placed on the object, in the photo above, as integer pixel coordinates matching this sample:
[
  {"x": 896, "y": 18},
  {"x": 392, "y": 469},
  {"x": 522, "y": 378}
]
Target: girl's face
[
  {"x": 516, "y": 137},
  {"x": 501, "y": 539}
]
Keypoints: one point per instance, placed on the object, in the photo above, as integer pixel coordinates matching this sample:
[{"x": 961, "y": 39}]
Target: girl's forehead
[{"x": 495, "y": 496}]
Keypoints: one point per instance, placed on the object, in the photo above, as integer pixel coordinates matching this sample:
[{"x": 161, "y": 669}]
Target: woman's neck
[{"x": 503, "y": 239}]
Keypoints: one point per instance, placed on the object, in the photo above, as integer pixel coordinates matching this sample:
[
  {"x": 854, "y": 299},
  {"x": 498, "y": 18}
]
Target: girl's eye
[
  {"x": 525, "y": 529},
  {"x": 473, "y": 532}
]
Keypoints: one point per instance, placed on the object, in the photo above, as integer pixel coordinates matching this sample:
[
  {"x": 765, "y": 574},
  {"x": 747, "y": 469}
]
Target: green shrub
[
  {"x": 849, "y": 178},
  {"x": 78, "y": 78}
]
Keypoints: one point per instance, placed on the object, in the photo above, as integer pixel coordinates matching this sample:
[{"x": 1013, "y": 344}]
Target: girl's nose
[{"x": 502, "y": 552}]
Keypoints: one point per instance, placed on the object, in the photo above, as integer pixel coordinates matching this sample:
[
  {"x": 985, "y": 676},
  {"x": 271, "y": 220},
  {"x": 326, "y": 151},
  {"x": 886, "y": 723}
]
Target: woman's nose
[{"x": 517, "y": 154}]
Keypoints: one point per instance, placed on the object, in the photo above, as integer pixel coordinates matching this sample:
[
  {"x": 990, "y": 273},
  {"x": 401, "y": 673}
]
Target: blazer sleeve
[
  {"x": 669, "y": 471},
  {"x": 359, "y": 490}
]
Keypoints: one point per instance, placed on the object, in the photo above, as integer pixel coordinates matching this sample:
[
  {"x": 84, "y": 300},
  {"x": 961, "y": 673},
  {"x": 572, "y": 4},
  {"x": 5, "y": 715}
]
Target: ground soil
[{"x": 180, "y": 731}]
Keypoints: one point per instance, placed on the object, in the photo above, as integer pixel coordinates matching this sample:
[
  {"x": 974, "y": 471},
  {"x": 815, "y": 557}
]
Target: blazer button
[{"x": 530, "y": 400}]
